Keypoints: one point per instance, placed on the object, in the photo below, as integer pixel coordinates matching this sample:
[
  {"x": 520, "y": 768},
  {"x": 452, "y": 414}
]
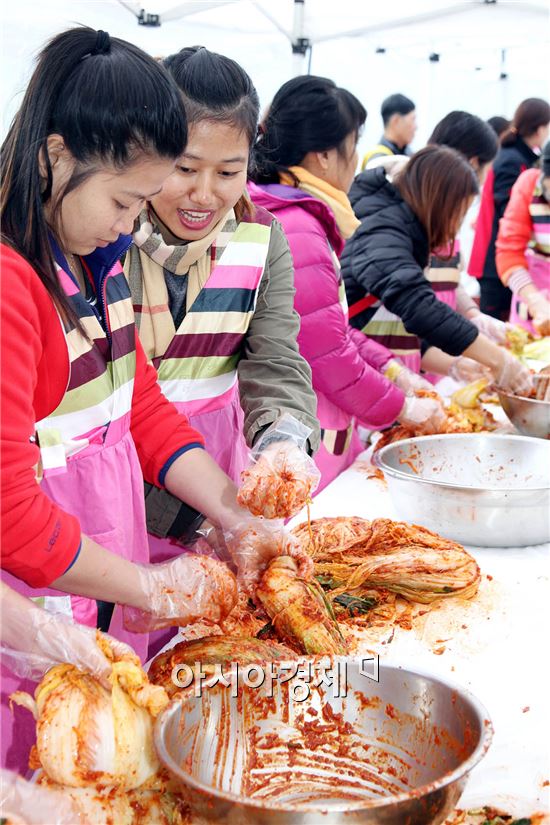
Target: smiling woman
[{"x": 212, "y": 283}]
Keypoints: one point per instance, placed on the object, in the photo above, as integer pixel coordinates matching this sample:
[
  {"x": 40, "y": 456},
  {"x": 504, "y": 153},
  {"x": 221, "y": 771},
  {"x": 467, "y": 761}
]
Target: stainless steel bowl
[
  {"x": 529, "y": 416},
  {"x": 481, "y": 490},
  {"x": 389, "y": 752}
]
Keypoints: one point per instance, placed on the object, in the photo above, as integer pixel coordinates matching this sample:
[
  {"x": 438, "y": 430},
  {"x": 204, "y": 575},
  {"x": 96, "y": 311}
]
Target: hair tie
[{"x": 102, "y": 43}]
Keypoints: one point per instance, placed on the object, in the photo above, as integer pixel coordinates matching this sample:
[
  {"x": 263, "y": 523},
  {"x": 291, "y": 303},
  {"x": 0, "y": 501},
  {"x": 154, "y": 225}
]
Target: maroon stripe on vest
[
  {"x": 204, "y": 344},
  {"x": 441, "y": 286},
  {"x": 407, "y": 342},
  {"x": 93, "y": 363},
  {"x": 340, "y": 442},
  {"x": 123, "y": 341},
  {"x": 87, "y": 367}
]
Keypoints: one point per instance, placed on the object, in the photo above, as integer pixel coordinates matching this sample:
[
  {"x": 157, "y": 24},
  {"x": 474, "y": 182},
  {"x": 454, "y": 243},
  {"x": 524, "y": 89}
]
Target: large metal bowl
[
  {"x": 389, "y": 752},
  {"x": 481, "y": 490},
  {"x": 529, "y": 416}
]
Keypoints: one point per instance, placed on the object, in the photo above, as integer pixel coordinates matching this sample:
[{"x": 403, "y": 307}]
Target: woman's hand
[
  {"x": 423, "y": 414},
  {"x": 182, "y": 591},
  {"x": 34, "y": 640}
]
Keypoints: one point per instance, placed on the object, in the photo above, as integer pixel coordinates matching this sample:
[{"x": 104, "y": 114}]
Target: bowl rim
[
  {"x": 378, "y": 459},
  {"x": 521, "y": 398},
  {"x": 485, "y": 740}
]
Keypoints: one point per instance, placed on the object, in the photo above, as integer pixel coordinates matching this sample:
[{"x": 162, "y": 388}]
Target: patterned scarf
[
  {"x": 155, "y": 251},
  {"x": 335, "y": 199}
]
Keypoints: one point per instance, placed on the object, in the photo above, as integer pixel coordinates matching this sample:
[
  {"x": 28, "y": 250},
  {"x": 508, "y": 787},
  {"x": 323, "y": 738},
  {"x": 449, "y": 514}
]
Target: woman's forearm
[
  {"x": 486, "y": 352},
  {"x": 99, "y": 574},
  {"x": 435, "y": 360},
  {"x": 196, "y": 479}
]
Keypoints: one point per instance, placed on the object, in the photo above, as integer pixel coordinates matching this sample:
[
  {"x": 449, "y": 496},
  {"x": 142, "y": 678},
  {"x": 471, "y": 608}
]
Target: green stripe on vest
[{"x": 197, "y": 367}]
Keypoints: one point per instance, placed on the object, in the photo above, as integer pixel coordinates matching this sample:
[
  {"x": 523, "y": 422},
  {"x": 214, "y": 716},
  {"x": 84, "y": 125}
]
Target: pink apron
[
  {"x": 340, "y": 442},
  {"x": 198, "y": 371},
  {"x": 539, "y": 270},
  {"x": 91, "y": 470},
  {"x": 444, "y": 275}
]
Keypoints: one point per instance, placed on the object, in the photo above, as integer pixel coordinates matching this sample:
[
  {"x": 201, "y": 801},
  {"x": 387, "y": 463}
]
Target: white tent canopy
[{"x": 371, "y": 49}]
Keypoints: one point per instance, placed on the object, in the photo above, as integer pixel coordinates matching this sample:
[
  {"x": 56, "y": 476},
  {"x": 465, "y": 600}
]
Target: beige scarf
[
  {"x": 156, "y": 249},
  {"x": 335, "y": 199}
]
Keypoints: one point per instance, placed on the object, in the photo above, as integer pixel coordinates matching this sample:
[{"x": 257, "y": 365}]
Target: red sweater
[
  {"x": 40, "y": 540},
  {"x": 516, "y": 226}
]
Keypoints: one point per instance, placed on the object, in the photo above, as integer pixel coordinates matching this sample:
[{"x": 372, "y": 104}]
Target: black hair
[
  {"x": 308, "y": 114},
  {"x": 468, "y": 134},
  {"x": 215, "y": 88},
  {"x": 396, "y": 105},
  {"x": 530, "y": 115},
  {"x": 546, "y": 160},
  {"x": 111, "y": 103},
  {"x": 499, "y": 124}
]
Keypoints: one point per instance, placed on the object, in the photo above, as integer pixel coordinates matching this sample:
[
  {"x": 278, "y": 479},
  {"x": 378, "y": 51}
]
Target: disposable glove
[
  {"x": 539, "y": 310},
  {"x": 46, "y": 639},
  {"x": 512, "y": 376},
  {"x": 29, "y": 803},
  {"x": 423, "y": 414},
  {"x": 253, "y": 543},
  {"x": 494, "y": 329},
  {"x": 465, "y": 370},
  {"x": 182, "y": 591},
  {"x": 281, "y": 476},
  {"x": 407, "y": 380}
]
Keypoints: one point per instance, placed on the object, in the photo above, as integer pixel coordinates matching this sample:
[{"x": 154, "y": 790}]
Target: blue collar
[{"x": 101, "y": 260}]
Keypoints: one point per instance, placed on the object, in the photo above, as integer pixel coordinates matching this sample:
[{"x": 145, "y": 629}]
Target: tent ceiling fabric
[
  {"x": 326, "y": 20},
  {"x": 470, "y": 36}
]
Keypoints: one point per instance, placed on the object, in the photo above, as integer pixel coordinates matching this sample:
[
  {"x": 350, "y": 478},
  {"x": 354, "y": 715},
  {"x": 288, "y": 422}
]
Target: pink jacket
[{"x": 346, "y": 366}]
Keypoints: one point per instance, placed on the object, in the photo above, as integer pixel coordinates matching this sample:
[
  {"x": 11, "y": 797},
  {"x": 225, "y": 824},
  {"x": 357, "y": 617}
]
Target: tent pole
[{"x": 300, "y": 44}]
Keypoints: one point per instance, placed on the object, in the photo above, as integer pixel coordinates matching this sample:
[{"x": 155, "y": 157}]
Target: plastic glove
[
  {"x": 29, "y": 803},
  {"x": 404, "y": 378},
  {"x": 282, "y": 476},
  {"x": 37, "y": 640},
  {"x": 423, "y": 414},
  {"x": 465, "y": 370},
  {"x": 254, "y": 542},
  {"x": 182, "y": 591},
  {"x": 512, "y": 376},
  {"x": 539, "y": 310},
  {"x": 494, "y": 329}
]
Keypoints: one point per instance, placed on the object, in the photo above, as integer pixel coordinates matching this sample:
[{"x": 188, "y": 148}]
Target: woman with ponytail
[
  {"x": 306, "y": 159},
  {"x": 211, "y": 281},
  {"x": 83, "y": 418},
  {"x": 519, "y": 150}
]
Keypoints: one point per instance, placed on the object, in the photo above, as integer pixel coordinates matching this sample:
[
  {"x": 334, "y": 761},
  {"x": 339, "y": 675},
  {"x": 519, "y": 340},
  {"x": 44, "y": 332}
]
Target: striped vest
[
  {"x": 95, "y": 410},
  {"x": 443, "y": 271},
  {"x": 198, "y": 371},
  {"x": 539, "y": 209}
]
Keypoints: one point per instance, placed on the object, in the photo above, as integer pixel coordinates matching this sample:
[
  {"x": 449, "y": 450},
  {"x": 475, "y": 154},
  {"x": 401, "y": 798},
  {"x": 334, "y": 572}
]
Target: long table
[{"x": 497, "y": 646}]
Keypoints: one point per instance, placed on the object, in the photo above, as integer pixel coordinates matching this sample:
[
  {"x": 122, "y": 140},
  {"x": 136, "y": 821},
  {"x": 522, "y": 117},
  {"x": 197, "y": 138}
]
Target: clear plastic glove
[
  {"x": 282, "y": 476},
  {"x": 423, "y": 414},
  {"x": 254, "y": 542},
  {"x": 494, "y": 329},
  {"x": 182, "y": 591},
  {"x": 34, "y": 640},
  {"x": 465, "y": 370},
  {"x": 512, "y": 376},
  {"x": 404, "y": 378},
  {"x": 539, "y": 310},
  {"x": 30, "y": 804}
]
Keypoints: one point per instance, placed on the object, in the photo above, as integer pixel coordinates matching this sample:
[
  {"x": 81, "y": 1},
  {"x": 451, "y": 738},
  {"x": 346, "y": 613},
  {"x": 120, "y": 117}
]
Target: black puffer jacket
[{"x": 386, "y": 257}]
